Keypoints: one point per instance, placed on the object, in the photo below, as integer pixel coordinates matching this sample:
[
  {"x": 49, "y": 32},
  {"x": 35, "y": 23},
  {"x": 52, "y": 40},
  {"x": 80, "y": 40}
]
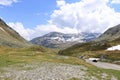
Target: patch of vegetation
[
  {"x": 9, "y": 56},
  {"x": 94, "y": 73},
  {"x": 5, "y": 62},
  {"x": 102, "y": 74},
  {"x": 112, "y": 55},
  {"x": 115, "y": 42},
  {"x": 90, "y": 46}
]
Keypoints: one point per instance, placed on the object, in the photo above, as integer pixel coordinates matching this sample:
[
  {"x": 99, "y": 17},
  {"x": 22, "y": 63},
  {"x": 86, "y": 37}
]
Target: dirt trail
[{"x": 104, "y": 65}]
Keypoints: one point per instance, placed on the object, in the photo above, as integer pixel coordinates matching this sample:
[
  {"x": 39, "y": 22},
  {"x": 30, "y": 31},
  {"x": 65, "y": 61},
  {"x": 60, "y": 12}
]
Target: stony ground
[{"x": 48, "y": 71}]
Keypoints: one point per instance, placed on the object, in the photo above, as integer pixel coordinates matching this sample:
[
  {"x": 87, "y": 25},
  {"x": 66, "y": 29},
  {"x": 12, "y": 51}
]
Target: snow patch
[
  {"x": 72, "y": 39},
  {"x": 58, "y": 38},
  {"x": 114, "y": 48}
]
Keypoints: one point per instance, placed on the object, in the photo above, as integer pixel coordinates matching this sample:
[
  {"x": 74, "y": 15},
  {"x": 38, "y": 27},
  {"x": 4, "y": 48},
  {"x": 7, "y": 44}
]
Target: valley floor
[
  {"x": 38, "y": 63},
  {"x": 51, "y": 71}
]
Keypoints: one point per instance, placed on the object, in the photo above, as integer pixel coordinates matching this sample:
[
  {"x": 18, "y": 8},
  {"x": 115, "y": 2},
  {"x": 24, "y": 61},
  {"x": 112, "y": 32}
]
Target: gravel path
[
  {"x": 104, "y": 65},
  {"x": 44, "y": 71}
]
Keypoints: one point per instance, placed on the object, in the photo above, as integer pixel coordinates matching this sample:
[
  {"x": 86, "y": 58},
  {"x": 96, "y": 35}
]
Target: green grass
[
  {"x": 10, "y": 56},
  {"x": 83, "y": 47},
  {"x": 5, "y": 62},
  {"x": 92, "y": 71},
  {"x": 100, "y": 74}
]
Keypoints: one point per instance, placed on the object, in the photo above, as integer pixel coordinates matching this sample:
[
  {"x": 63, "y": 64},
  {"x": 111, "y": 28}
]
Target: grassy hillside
[
  {"x": 9, "y": 56},
  {"x": 9, "y": 37},
  {"x": 97, "y": 47},
  {"x": 90, "y": 46},
  {"x": 111, "y": 34},
  {"x": 20, "y": 59},
  {"x": 94, "y": 49}
]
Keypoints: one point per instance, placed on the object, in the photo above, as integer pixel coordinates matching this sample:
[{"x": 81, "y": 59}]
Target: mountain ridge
[
  {"x": 10, "y": 38},
  {"x": 62, "y": 40},
  {"x": 111, "y": 34},
  {"x": 109, "y": 38}
]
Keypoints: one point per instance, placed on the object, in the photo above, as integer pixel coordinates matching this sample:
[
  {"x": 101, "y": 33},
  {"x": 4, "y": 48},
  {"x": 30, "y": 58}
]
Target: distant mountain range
[
  {"x": 9, "y": 37},
  {"x": 109, "y": 38},
  {"x": 61, "y": 40}
]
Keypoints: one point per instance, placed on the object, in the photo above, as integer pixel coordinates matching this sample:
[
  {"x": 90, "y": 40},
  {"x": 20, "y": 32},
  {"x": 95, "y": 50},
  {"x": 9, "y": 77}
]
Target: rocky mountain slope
[
  {"x": 111, "y": 34},
  {"x": 9, "y": 37},
  {"x": 109, "y": 38},
  {"x": 61, "y": 40}
]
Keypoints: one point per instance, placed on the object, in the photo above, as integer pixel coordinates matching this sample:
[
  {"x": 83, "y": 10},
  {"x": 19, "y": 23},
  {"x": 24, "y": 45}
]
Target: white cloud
[
  {"x": 60, "y": 2},
  {"x": 115, "y": 1},
  {"x": 21, "y": 30},
  {"x": 7, "y": 2},
  {"x": 38, "y": 30},
  {"x": 43, "y": 29},
  {"x": 85, "y": 15}
]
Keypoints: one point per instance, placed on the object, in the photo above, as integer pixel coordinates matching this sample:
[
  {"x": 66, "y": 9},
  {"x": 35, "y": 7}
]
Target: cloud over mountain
[{"x": 81, "y": 16}]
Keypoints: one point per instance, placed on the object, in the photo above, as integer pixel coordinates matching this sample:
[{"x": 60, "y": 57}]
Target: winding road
[{"x": 104, "y": 65}]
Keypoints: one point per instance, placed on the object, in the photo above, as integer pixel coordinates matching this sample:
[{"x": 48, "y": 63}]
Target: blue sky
[
  {"x": 33, "y": 18},
  {"x": 29, "y": 12}
]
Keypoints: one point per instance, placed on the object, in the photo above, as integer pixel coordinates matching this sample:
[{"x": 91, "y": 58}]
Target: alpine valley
[{"x": 20, "y": 60}]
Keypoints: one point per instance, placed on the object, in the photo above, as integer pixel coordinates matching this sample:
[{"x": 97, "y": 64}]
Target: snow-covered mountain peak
[{"x": 56, "y": 38}]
